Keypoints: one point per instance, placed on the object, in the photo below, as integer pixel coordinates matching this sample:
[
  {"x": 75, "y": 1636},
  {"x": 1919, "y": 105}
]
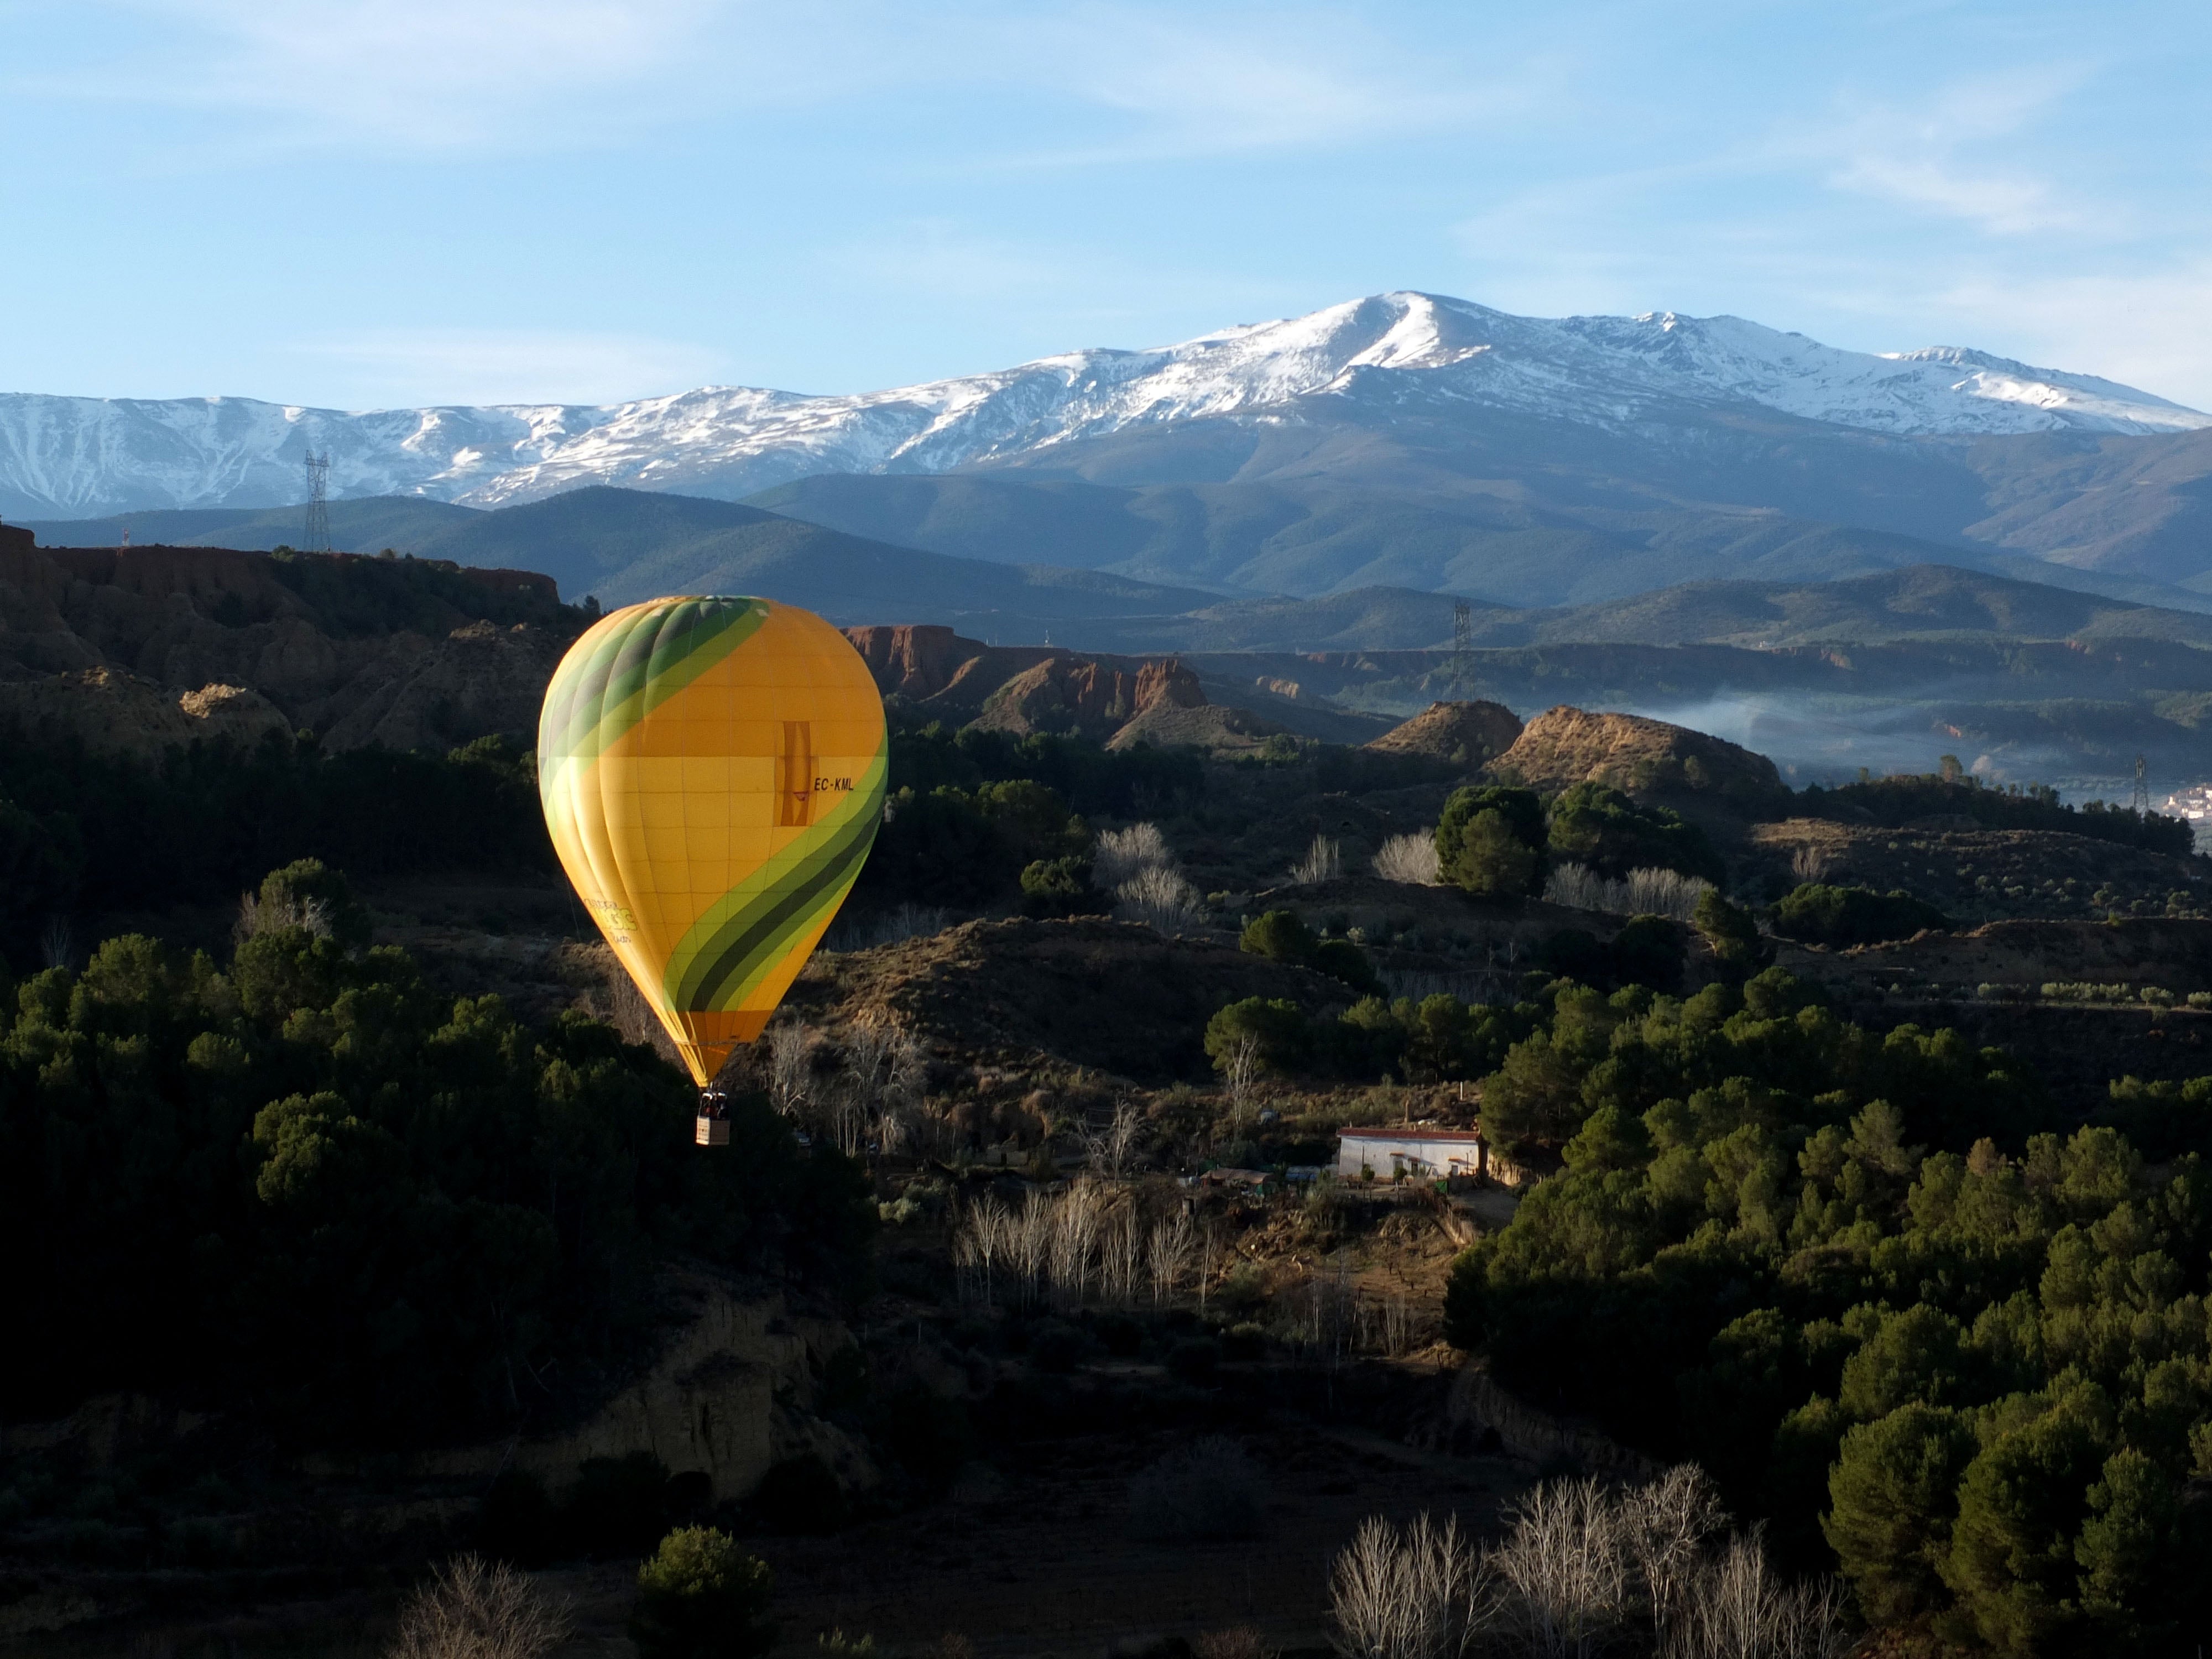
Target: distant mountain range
[
  {"x": 624, "y": 545},
  {"x": 1404, "y": 440}
]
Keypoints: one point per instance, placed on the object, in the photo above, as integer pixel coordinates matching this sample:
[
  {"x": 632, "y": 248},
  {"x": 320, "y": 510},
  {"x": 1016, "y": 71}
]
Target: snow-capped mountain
[{"x": 1366, "y": 361}]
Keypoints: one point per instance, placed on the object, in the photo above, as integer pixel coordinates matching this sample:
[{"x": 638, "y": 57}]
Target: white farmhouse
[{"x": 1412, "y": 1152}]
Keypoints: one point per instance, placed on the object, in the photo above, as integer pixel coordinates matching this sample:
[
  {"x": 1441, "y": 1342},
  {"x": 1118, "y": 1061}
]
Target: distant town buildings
[{"x": 2195, "y": 805}]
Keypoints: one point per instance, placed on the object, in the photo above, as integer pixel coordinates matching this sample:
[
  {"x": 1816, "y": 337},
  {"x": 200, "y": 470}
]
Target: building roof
[{"x": 1470, "y": 1136}]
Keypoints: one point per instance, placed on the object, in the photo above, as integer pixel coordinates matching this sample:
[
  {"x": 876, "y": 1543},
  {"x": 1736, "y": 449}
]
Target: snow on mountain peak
[{"x": 1369, "y": 357}]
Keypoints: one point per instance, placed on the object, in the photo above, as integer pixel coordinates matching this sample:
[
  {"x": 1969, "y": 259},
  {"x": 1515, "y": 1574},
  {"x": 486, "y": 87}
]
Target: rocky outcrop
[
  {"x": 732, "y": 1393},
  {"x": 1177, "y": 726},
  {"x": 1464, "y": 733},
  {"x": 1021, "y": 689},
  {"x": 943, "y": 671},
  {"x": 912, "y": 661},
  {"x": 1563, "y": 747},
  {"x": 729, "y": 1398},
  {"x": 405, "y": 653},
  {"x": 1071, "y": 695},
  {"x": 113, "y": 714}
]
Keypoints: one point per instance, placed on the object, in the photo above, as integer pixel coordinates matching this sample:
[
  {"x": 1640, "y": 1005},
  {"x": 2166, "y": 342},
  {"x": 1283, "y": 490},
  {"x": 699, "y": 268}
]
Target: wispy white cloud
[
  {"x": 411, "y": 367},
  {"x": 1150, "y": 81},
  {"x": 399, "y": 74},
  {"x": 1954, "y": 154},
  {"x": 1295, "y": 79}
]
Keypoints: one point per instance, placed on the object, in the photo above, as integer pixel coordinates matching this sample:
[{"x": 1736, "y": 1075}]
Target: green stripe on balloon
[
  {"x": 636, "y": 669},
  {"x": 730, "y": 949}
]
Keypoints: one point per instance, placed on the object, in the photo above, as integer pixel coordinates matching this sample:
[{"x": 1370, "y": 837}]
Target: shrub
[
  {"x": 472, "y": 1609},
  {"x": 1208, "y": 1490},
  {"x": 1160, "y": 898},
  {"x": 702, "y": 1597},
  {"x": 1118, "y": 854},
  {"x": 1595, "y": 825},
  {"x": 1489, "y": 841},
  {"x": 1280, "y": 936},
  {"x": 1409, "y": 859},
  {"x": 1818, "y": 914},
  {"x": 1645, "y": 892},
  {"x": 1729, "y": 933},
  {"x": 1324, "y": 861},
  {"x": 1280, "y": 1036},
  {"x": 1058, "y": 887},
  {"x": 306, "y": 893},
  {"x": 1340, "y": 959}
]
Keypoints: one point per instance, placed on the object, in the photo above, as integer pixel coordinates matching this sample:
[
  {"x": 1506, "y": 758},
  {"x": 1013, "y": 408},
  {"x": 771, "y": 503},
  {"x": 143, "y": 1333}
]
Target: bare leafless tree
[
  {"x": 881, "y": 1088},
  {"x": 1074, "y": 1238},
  {"x": 1324, "y": 861},
  {"x": 1242, "y": 1072},
  {"x": 475, "y": 1609},
  {"x": 1118, "y": 854},
  {"x": 1411, "y": 860},
  {"x": 1168, "y": 1251},
  {"x": 791, "y": 1067},
  {"x": 1415, "y": 1594},
  {"x": 1029, "y": 1238},
  {"x": 1665, "y": 1526},
  {"x": 1808, "y": 863},
  {"x": 1123, "y": 1251},
  {"x": 1110, "y": 1149},
  {"x": 981, "y": 1240},
  {"x": 1644, "y": 892},
  {"x": 1740, "y": 1608},
  {"x": 1587, "y": 1570},
  {"x": 1158, "y": 897},
  {"x": 257, "y": 916},
  {"x": 1564, "y": 1573}
]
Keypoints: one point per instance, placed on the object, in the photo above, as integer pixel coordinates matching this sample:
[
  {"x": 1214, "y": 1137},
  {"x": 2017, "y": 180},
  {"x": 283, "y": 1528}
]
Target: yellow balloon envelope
[{"x": 713, "y": 772}]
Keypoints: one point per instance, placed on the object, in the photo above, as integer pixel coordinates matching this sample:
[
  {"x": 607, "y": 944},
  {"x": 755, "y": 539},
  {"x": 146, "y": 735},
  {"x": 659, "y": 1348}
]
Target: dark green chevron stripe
[
  {"x": 729, "y": 948},
  {"x": 635, "y": 669}
]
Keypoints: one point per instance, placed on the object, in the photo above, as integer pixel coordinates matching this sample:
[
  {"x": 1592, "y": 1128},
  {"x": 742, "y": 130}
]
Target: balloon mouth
[{"x": 709, "y": 1037}]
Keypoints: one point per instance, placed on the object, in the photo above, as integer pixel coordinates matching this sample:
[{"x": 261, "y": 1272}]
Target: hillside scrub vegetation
[
  {"x": 307, "y": 1185},
  {"x": 1650, "y": 1570},
  {"x": 1815, "y": 914},
  {"x": 84, "y": 831},
  {"x": 977, "y": 817},
  {"x": 1904, "y": 800},
  {"x": 1501, "y": 841},
  {"x": 1977, "y": 1378}
]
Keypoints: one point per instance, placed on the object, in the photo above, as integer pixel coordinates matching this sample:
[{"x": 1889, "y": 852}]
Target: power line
[{"x": 316, "y": 538}]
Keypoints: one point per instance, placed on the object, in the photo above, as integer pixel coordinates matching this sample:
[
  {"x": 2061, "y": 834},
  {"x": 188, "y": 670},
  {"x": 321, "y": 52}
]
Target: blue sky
[{"x": 364, "y": 202}]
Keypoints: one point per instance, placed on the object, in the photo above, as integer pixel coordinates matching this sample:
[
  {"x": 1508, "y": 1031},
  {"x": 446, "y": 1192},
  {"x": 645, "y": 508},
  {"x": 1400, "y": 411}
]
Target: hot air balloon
[{"x": 712, "y": 771}]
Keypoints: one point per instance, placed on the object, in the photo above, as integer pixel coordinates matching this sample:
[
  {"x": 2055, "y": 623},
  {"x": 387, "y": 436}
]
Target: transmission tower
[
  {"x": 1463, "y": 627},
  {"x": 316, "y": 538},
  {"x": 2140, "y": 800}
]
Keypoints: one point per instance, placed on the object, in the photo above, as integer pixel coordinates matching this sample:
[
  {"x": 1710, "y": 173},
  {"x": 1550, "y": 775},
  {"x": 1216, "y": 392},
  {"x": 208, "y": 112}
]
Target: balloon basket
[{"x": 713, "y": 1132}]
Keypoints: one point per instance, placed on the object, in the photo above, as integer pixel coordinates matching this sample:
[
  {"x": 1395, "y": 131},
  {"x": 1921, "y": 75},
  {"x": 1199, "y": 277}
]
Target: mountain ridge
[{"x": 65, "y": 453}]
